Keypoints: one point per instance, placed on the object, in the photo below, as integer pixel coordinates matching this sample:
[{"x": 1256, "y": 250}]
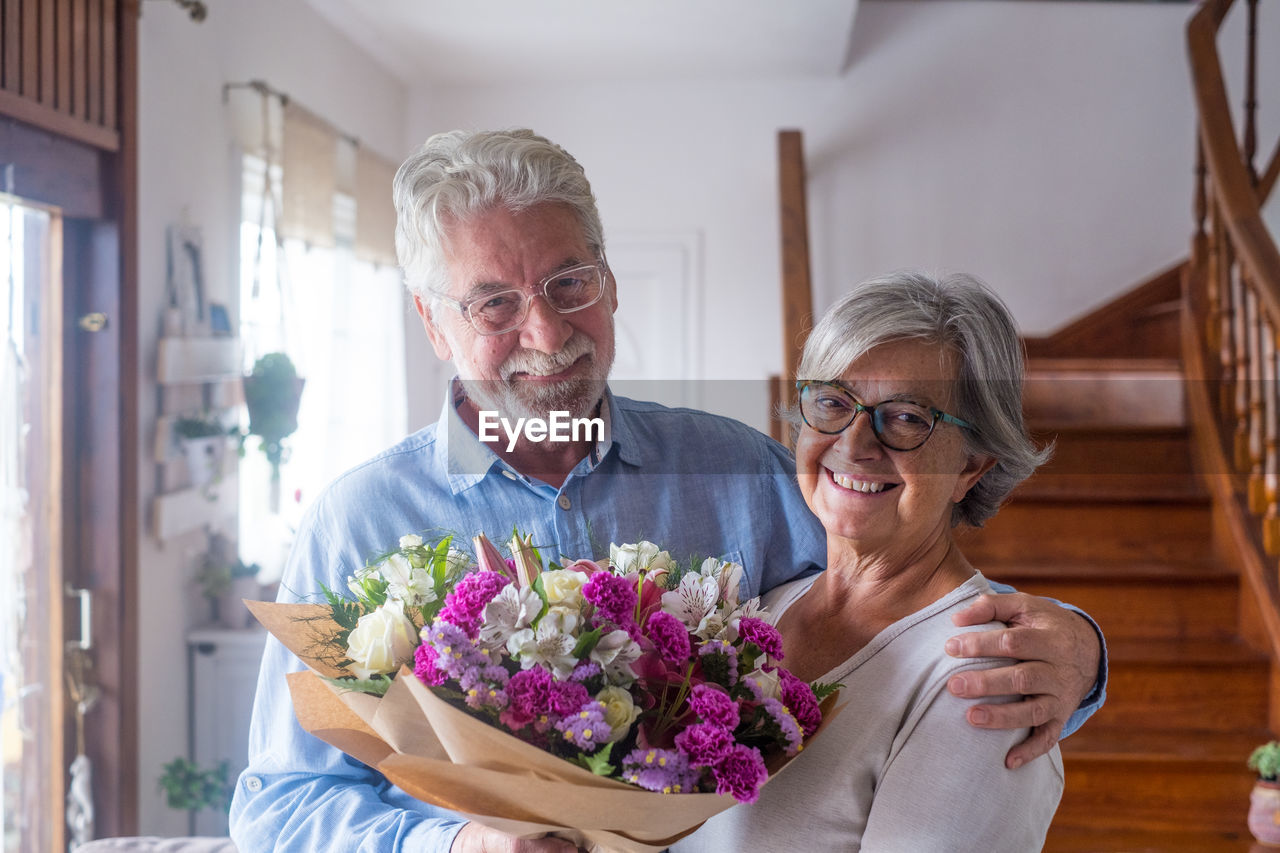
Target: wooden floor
[{"x": 1119, "y": 525}]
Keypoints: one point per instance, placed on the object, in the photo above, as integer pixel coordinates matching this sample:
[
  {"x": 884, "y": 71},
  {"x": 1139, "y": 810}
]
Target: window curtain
[{"x": 319, "y": 282}]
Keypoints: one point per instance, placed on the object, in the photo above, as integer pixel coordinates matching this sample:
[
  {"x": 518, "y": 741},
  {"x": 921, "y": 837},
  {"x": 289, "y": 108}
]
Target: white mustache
[{"x": 544, "y": 364}]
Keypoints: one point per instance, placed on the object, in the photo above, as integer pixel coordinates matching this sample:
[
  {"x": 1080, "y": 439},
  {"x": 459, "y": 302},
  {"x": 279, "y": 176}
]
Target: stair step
[
  {"x": 1146, "y": 606},
  {"x": 1109, "y": 532},
  {"x": 1116, "y": 451},
  {"x": 1231, "y": 749},
  {"x": 1070, "y": 839},
  {"x": 1102, "y": 392},
  {"x": 1198, "y": 684},
  {"x": 1120, "y": 795},
  {"x": 1173, "y": 488}
]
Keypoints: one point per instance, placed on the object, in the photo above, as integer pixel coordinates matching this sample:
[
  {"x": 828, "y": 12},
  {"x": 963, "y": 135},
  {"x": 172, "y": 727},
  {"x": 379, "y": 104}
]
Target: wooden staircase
[{"x": 1119, "y": 524}]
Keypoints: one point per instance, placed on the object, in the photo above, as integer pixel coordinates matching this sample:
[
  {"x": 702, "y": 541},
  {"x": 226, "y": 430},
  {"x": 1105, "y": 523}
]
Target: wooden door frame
[{"x": 91, "y": 177}]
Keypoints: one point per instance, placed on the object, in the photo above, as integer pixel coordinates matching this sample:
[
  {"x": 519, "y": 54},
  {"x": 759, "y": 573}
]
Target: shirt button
[
  {"x": 508, "y": 474},
  {"x": 253, "y": 783},
  {"x": 564, "y": 502}
]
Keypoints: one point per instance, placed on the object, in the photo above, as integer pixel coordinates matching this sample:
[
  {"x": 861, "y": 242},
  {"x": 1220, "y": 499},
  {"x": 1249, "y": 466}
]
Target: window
[{"x": 341, "y": 321}]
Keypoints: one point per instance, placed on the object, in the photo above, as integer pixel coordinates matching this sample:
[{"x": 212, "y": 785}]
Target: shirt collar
[{"x": 469, "y": 460}]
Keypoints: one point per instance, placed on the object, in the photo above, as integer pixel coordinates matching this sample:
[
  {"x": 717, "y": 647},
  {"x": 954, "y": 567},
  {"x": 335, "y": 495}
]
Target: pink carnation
[
  {"x": 740, "y": 774},
  {"x": 424, "y": 665},
  {"x": 798, "y": 696},
  {"x": 762, "y": 634},
  {"x": 465, "y": 604},
  {"x": 669, "y": 636},
  {"x": 615, "y": 598},
  {"x": 706, "y": 744},
  {"x": 713, "y": 705}
]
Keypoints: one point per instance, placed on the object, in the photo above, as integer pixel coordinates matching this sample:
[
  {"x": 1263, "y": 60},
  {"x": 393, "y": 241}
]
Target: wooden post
[{"x": 797, "y": 295}]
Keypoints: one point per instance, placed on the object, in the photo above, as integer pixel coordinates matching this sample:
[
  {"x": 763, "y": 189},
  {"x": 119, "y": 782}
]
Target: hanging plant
[{"x": 272, "y": 393}]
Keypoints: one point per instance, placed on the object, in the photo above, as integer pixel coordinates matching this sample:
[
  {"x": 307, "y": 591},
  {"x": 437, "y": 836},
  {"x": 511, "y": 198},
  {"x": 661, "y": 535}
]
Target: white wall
[
  {"x": 1046, "y": 147},
  {"x": 186, "y": 165}
]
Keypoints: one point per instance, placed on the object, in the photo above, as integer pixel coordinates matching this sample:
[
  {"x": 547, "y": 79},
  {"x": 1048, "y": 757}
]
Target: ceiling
[{"x": 423, "y": 42}]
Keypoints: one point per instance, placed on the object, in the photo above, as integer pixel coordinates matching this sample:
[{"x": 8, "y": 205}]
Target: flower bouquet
[{"x": 571, "y": 699}]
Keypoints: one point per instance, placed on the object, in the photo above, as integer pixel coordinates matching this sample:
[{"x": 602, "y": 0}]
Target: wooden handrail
[{"x": 1231, "y": 327}]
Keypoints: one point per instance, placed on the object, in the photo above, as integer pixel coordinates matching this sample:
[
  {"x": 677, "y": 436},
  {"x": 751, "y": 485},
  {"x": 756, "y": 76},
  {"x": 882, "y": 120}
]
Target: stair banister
[{"x": 1232, "y": 319}]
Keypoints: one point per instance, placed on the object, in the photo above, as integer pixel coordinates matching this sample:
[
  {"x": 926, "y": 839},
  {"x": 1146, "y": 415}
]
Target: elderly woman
[{"x": 911, "y": 425}]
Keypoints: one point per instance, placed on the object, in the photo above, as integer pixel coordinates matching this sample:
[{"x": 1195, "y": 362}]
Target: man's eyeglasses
[
  {"x": 899, "y": 425},
  {"x": 499, "y": 311}
]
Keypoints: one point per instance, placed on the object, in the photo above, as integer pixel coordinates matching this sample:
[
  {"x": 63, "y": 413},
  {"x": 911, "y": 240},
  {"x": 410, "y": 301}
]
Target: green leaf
[
  {"x": 598, "y": 763},
  {"x": 377, "y": 685},
  {"x": 822, "y": 691},
  {"x": 587, "y": 642}
]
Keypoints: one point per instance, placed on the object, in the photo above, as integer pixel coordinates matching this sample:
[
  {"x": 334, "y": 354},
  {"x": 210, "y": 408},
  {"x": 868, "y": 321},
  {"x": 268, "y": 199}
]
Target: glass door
[{"x": 32, "y": 752}]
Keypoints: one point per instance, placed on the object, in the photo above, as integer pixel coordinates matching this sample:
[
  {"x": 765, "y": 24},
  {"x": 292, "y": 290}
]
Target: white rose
[
  {"x": 770, "y": 688},
  {"x": 563, "y": 587},
  {"x": 381, "y": 641},
  {"x": 456, "y": 563},
  {"x": 619, "y": 711},
  {"x": 410, "y": 540},
  {"x": 639, "y": 557}
]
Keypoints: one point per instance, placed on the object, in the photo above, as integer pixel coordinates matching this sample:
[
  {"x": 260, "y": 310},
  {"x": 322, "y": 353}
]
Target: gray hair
[
  {"x": 960, "y": 313},
  {"x": 457, "y": 175}
]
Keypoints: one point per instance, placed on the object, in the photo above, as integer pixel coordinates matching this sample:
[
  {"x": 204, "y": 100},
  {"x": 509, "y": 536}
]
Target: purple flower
[
  {"x": 456, "y": 651},
  {"x": 714, "y": 705},
  {"x": 784, "y": 725},
  {"x": 799, "y": 699},
  {"x": 664, "y": 770},
  {"x": 424, "y": 665},
  {"x": 740, "y": 774},
  {"x": 528, "y": 698},
  {"x": 615, "y": 598},
  {"x": 586, "y": 671},
  {"x": 481, "y": 690},
  {"x": 669, "y": 635},
  {"x": 719, "y": 662},
  {"x": 762, "y": 634},
  {"x": 465, "y": 603},
  {"x": 586, "y": 729},
  {"x": 706, "y": 744}
]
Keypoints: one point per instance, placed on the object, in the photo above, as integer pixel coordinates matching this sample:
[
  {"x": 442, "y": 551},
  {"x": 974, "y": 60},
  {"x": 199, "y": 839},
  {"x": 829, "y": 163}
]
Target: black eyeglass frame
[
  {"x": 464, "y": 308},
  {"x": 858, "y": 408}
]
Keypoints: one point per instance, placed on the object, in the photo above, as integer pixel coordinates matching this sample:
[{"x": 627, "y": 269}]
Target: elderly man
[{"x": 503, "y": 251}]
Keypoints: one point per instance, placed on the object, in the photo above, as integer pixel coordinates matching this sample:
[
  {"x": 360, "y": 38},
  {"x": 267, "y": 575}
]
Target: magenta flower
[
  {"x": 528, "y": 698},
  {"x": 424, "y": 666},
  {"x": 740, "y": 774},
  {"x": 566, "y": 697},
  {"x": 615, "y": 598},
  {"x": 713, "y": 705},
  {"x": 669, "y": 635},
  {"x": 763, "y": 635},
  {"x": 799, "y": 699},
  {"x": 465, "y": 604},
  {"x": 706, "y": 744}
]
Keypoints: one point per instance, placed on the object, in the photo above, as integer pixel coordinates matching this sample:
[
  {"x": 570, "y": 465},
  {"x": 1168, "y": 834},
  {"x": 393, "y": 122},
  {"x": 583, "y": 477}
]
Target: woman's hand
[
  {"x": 1058, "y": 653},
  {"x": 476, "y": 838}
]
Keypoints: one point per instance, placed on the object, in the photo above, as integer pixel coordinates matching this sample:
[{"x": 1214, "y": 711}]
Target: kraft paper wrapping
[{"x": 441, "y": 755}]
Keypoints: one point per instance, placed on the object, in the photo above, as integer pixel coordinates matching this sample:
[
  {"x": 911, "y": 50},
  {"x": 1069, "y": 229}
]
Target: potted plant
[
  {"x": 225, "y": 580},
  {"x": 203, "y": 441},
  {"x": 272, "y": 393},
  {"x": 1264, "y": 802},
  {"x": 189, "y": 787}
]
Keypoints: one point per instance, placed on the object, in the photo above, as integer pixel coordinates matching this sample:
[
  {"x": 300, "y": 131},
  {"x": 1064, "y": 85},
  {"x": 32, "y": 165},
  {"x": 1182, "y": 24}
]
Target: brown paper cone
[{"x": 301, "y": 628}]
